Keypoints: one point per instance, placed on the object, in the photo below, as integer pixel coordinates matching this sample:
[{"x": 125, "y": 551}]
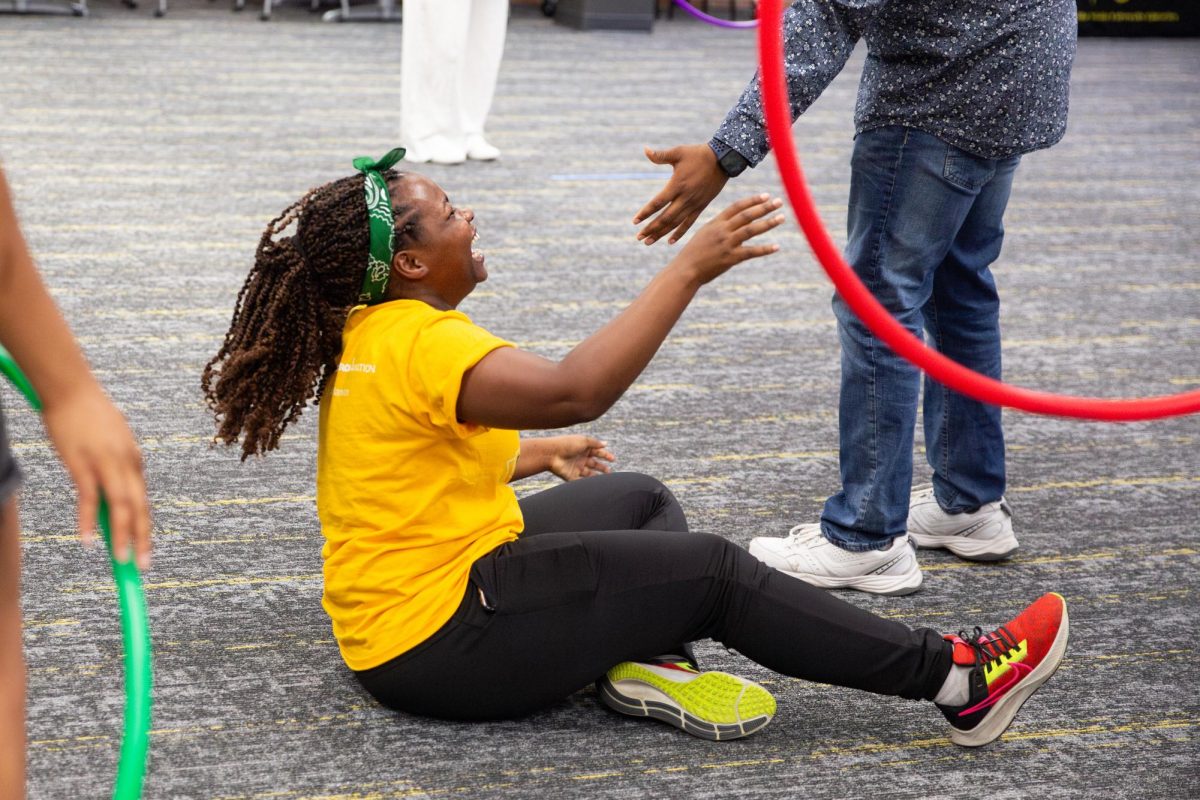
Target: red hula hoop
[{"x": 875, "y": 316}]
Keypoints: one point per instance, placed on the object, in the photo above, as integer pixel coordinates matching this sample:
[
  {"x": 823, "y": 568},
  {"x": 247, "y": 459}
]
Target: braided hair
[{"x": 286, "y": 334}]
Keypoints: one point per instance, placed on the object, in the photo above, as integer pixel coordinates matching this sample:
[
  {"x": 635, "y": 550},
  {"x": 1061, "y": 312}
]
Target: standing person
[
  {"x": 450, "y": 58},
  {"x": 952, "y": 93},
  {"x": 451, "y": 598},
  {"x": 92, "y": 439}
]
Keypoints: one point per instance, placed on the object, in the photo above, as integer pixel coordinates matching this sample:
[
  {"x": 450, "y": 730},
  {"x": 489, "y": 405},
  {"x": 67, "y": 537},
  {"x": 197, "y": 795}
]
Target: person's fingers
[
  {"x": 684, "y": 226},
  {"x": 760, "y": 226},
  {"x": 660, "y": 226},
  {"x": 656, "y": 204},
  {"x": 119, "y": 497},
  {"x": 669, "y": 156},
  {"x": 747, "y": 252},
  {"x": 141, "y": 516},
  {"x": 754, "y": 212},
  {"x": 88, "y": 502},
  {"x": 738, "y": 206},
  {"x": 660, "y": 201}
]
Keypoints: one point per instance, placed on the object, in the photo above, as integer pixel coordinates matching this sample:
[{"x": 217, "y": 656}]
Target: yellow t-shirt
[{"x": 408, "y": 496}]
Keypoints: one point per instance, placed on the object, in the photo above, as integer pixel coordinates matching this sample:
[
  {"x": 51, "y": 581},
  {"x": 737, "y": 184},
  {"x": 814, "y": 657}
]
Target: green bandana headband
[{"x": 381, "y": 219}]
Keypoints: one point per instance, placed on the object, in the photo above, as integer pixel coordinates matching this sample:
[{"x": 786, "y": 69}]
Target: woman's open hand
[
  {"x": 569, "y": 457},
  {"x": 577, "y": 456},
  {"x": 723, "y": 241}
]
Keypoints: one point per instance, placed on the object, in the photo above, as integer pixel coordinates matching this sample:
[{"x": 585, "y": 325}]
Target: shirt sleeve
[
  {"x": 446, "y": 349},
  {"x": 819, "y": 36}
]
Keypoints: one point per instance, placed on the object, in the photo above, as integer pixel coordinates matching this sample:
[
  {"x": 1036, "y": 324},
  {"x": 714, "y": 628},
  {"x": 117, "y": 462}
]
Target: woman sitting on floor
[{"x": 451, "y": 598}]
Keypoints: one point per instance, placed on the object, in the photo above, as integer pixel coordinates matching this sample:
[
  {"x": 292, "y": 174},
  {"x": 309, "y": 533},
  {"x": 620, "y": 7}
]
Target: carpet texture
[{"x": 148, "y": 155}]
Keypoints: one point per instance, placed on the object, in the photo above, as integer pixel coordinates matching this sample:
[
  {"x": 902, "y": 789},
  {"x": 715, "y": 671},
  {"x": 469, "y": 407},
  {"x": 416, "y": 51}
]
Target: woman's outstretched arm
[{"x": 513, "y": 389}]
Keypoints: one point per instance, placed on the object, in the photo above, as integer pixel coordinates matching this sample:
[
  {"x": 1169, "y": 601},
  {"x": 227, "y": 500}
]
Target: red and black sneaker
[{"x": 1007, "y": 666}]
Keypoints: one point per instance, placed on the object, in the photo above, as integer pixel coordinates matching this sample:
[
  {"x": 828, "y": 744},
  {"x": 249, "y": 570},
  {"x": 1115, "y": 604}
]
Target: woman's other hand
[{"x": 577, "y": 456}]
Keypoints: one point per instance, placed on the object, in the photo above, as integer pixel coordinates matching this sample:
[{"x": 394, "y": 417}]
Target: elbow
[
  {"x": 592, "y": 411},
  {"x": 579, "y": 408},
  {"x": 582, "y": 411}
]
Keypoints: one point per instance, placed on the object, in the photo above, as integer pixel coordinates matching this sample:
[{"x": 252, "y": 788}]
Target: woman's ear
[{"x": 407, "y": 266}]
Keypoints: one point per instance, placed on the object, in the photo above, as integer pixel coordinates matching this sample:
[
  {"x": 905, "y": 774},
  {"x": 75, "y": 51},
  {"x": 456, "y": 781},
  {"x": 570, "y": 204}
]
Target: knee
[
  {"x": 661, "y": 509},
  {"x": 728, "y": 561},
  {"x": 635, "y": 482}
]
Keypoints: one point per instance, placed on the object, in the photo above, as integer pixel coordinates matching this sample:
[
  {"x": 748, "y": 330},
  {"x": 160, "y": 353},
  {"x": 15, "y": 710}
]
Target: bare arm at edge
[{"x": 91, "y": 436}]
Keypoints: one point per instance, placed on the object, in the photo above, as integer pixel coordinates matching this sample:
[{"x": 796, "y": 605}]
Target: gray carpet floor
[{"x": 147, "y": 156}]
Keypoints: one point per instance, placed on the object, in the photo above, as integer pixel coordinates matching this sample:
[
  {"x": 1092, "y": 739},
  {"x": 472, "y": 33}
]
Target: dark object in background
[
  {"x": 1139, "y": 17},
  {"x": 628, "y": 15}
]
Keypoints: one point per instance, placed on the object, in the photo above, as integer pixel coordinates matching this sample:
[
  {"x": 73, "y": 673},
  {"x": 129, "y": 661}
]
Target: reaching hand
[
  {"x": 696, "y": 178},
  {"x": 99, "y": 451},
  {"x": 577, "y": 456},
  {"x": 722, "y": 242}
]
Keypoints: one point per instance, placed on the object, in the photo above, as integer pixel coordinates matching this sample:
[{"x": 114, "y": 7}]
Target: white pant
[{"x": 449, "y": 61}]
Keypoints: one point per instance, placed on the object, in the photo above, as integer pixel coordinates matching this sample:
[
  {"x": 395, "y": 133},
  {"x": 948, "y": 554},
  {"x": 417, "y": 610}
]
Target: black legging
[{"x": 606, "y": 572}]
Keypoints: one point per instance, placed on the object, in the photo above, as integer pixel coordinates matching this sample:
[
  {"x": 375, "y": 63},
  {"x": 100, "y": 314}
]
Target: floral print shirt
[{"x": 988, "y": 76}]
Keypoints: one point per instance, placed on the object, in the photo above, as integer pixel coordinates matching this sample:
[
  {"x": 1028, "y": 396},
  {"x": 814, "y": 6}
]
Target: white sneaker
[
  {"x": 982, "y": 535},
  {"x": 805, "y": 553},
  {"x": 480, "y": 149},
  {"x": 436, "y": 150}
]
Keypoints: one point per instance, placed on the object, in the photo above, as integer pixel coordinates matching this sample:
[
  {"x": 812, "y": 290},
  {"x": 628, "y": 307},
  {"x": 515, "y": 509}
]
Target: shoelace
[
  {"x": 805, "y": 530},
  {"x": 991, "y": 648}
]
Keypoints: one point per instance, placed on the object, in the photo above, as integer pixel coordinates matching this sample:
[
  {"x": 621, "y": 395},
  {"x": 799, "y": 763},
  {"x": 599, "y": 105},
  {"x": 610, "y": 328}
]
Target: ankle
[{"x": 956, "y": 689}]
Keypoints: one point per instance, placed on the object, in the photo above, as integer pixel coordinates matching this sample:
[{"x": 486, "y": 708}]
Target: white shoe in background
[
  {"x": 436, "y": 151},
  {"x": 480, "y": 149},
  {"x": 806, "y": 554},
  {"x": 982, "y": 535}
]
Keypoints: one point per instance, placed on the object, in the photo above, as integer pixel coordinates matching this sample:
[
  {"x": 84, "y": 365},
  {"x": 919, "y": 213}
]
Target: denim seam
[
  {"x": 875, "y": 257},
  {"x": 943, "y": 454},
  {"x": 952, "y": 177}
]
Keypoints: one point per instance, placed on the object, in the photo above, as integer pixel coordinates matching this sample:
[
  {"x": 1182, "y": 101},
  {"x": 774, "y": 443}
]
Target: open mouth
[{"x": 476, "y": 255}]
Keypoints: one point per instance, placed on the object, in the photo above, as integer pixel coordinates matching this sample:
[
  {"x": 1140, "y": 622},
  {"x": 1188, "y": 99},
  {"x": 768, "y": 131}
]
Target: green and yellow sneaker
[{"x": 711, "y": 705}]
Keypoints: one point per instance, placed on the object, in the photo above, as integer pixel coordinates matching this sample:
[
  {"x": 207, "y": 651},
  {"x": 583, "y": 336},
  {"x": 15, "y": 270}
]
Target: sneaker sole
[
  {"x": 873, "y": 584},
  {"x": 1006, "y": 708},
  {"x": 994, "y": 550},
  {"x": 715, "y": 706}
]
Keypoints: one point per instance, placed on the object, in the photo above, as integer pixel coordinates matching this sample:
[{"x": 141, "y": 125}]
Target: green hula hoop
[{"x": 135, "y": 634}]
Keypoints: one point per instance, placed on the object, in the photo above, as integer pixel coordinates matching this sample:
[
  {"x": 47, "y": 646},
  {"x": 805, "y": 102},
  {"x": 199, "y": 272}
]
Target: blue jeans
[{"x": 925, "y": 223}]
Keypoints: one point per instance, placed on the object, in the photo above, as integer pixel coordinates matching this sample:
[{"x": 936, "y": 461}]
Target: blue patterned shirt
[{"x": 988, "y": 76}]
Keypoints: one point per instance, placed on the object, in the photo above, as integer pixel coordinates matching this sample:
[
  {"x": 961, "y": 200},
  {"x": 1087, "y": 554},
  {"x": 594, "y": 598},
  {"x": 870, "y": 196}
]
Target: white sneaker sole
[
  {"x": 878, "y": 581},
  {"x": 1006, "y": 708},
  {"x": 891, "y": 586},
  {"x": 995, "y": 549}
]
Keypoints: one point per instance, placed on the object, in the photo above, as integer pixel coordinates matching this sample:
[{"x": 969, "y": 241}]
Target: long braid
[{"x": 285, "y": 336}]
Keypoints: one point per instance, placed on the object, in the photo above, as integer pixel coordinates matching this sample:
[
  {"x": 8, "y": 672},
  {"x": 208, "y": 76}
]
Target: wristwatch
[{"x": 732, "y": 162}]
